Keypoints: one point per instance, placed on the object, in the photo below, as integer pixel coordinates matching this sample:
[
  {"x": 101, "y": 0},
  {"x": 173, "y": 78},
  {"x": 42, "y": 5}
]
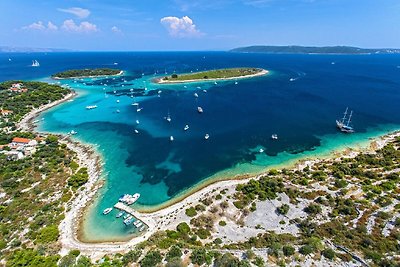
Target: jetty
[{"x": 128, "y": 210}]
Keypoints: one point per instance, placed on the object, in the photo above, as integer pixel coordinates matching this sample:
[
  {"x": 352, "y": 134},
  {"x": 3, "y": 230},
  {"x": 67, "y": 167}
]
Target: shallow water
[{"x": 299, "y": 100}]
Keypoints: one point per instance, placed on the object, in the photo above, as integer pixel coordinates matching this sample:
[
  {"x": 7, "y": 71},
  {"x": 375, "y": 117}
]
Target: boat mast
[
  {"x": 345, "y": 113},
  {"x": 348, "y": 122}
]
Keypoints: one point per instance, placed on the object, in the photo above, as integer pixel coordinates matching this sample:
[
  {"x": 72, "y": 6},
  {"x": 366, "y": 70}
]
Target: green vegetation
[
  {"x": 213, "y": 74},
  {"x": 35, "y": 187},
  {"x": 85, "y": 73},
  {"x": 283, "y": 209},
  {"x": 151, "y": 259},
  {"x": 191, "y": 212},
  {"x": 20, "y": 103},
  {"x": 79, "y": 178}
]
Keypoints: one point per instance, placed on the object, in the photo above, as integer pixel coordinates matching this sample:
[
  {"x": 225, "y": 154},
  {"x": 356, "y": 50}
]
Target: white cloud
[
  {"x": 77, "y": 11},
  {"x": 180, "y": 27},
  {"x": 40, "y": 26},
  {"x": 84, "y": 27},
  {"x": 115, "y": 29},
  {"x": 51, "y": 26}
]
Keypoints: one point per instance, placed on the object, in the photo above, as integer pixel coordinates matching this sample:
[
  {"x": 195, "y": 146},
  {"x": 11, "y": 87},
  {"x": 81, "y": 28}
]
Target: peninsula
[
  {"x": 81, "y": 73},
  {"x": 213, "y": 75},
  {"x": 296, "y": 49}
]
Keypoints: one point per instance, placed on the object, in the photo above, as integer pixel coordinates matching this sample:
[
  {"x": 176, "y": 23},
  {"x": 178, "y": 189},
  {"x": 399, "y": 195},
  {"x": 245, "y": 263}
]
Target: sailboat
[
  {"x": 35, "y": 63},
  {"x": 168, "y": 118},
  {"x": 343, "y": 125}
]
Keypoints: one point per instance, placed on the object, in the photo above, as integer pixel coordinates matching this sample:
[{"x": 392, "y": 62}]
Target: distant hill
[
  {"x": 12, "y": 49},
  {"x": 293, "y": 49}
]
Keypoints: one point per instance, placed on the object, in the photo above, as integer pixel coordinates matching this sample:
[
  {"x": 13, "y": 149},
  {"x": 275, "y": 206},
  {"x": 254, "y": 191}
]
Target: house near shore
[
  {"x": 20, "y": 147},
  {"x": 5, "y": 112},
  {"x": 18, "y": 88}
]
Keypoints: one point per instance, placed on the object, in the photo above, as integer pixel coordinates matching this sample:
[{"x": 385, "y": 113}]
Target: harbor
[{"x": 129, "y": 215}]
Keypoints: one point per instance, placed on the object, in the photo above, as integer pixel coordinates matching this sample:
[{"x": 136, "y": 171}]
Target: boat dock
[{"x": 128, "y": 210}]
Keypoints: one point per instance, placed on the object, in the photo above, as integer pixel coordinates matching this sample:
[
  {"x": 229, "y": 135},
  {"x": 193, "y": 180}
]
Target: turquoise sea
[{"x": 299, "y": 100}]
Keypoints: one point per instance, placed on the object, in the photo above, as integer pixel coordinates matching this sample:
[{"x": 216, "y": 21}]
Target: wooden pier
[{"x": 129, "y": 210}]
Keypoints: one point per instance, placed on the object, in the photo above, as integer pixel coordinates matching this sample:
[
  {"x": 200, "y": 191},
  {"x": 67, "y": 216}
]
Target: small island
[
  {"x": 212, "y": 75},
  {"x": 80, "y": 73}
]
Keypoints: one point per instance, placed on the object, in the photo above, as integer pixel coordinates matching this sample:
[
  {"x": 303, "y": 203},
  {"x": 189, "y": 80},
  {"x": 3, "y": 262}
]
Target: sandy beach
[
  {"x": 167, "y": 217},
  {"x": 26, "y": 123},
  {"x": 261, "y": 73}
]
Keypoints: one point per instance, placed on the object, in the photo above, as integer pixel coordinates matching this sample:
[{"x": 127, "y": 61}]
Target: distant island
[
  {"x": 294, "y": 49},
  {"x": 14, "y": 49},
  {"x": 86, "y": 73},
  {"x": 212, "y": 75}
]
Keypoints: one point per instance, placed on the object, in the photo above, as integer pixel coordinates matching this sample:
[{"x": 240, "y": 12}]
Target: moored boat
[
  {"x": 129, "y": 199},
  {"x": 91, "y": 107},
  {"x": 343, "y": 125},
  {"x": 120, "y": 214},
  {"x": 200, "y": 109},
  {"x": 107, "y": 211}
]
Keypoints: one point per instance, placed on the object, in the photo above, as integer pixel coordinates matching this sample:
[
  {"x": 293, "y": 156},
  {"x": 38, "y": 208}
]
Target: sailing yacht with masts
[
  {"x": 35, "y": 63},
  {"x": 344, "y": 125}
]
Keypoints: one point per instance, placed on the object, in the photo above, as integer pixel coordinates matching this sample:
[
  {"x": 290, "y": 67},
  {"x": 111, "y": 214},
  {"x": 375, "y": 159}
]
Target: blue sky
[{"x": 198, "y": 24}]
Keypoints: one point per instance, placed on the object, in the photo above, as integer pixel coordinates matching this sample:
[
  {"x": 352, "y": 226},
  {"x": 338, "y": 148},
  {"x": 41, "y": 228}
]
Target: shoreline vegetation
[
  {"x": 230, "y": 195},
  {"x": 86, "y": 73},
  {"x": 212, "y": 75}
]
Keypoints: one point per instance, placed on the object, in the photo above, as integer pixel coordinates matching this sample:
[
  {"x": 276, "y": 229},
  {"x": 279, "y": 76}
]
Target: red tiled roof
[{"x": 21, "y": 140}]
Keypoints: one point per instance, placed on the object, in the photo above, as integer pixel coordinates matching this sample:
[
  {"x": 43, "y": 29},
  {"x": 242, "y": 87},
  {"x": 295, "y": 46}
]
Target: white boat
[
  {"x": 184, "y": 86},
  {"x": 129, "y": 199},
  {"x": 274, "y": 137},
  {"x": 35, "y": 63},
  {"x": 118, "y": 111},
  {"x": 136, "y": 131},
  {"x": 72, "y": 132},
  {"x": 343, "y": 125},
  {"x": 139, "y": 109},
  {"x": 196, "y": 95},
  {"x": 137, "y": 122},
  {"x": 159, "y": 92},
  {"x": 135, "y": 104},
  {"x": 91, "y": 107},
  {"x": 168, "y": 118},
  {"x": 292, "y": 79},
  {"x": 107, "y": 211},
  {"x": 215, "y": 83},
  {"x": 261, "y": 150},
  {"x": 142, "y": 228},
  {"x": 186, "y": 127},
  {"x": 138, "y": 224},
  {"x": 199, "y": 109},
  {"x": 198, "y": 87},
  {"x": 117, "y": 100},
  {"x": 206, "y": 136},
  {"x": 129, "y": 220},
  {"x": 120, "y": 214},
  {"x": 205, "y": 91},
  {"x": 9, "y": 59},
  {"x": 171, "y": 138},
  {"x": 236, "y": 82},
  {"x": 115, "y": 63}
]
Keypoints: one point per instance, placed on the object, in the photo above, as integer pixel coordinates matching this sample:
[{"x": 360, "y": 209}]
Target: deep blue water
[{"x": 239, "y": 118}]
